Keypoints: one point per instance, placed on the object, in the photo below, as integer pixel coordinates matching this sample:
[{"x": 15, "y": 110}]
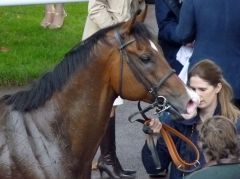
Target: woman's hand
[{"x": 154, "y": 124}]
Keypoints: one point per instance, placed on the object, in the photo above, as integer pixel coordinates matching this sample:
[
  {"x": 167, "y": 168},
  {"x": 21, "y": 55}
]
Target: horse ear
[
  {"x": 139, "y": 16},
  {"x": 142, "y": 14}
]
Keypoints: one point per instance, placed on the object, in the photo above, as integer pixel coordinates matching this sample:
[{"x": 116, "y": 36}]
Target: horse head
[{"x": 140, "y": 70}]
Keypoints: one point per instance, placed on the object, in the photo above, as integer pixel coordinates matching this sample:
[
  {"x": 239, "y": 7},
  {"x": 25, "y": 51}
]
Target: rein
[
  {"x": 181, "y": 164},
  {"x": 160, "y": 105}
]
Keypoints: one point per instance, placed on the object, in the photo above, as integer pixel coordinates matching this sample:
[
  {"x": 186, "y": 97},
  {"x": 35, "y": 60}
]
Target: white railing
[{"x": 29, "y": 2}]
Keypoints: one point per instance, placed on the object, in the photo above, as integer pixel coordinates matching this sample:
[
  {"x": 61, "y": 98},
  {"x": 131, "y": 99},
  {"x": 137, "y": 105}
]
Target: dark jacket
[
  {"x": 214, "y": 25},
  {"x": 224, "y": 171},
  {"x": 187, "y": 128},
  {"x": 167, "y": 20}
]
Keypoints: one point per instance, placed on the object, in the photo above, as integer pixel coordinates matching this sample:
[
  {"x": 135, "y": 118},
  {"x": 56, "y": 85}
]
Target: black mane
[{"x": 54, "y": 80}]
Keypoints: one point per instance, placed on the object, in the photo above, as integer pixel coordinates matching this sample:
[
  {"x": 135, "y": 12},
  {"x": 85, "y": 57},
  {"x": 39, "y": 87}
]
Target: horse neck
[
  {"x": 86, "y": 103},
  {"x": 90, "y": 88}
]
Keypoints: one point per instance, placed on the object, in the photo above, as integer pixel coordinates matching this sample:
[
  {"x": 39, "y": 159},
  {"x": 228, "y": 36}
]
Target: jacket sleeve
[
  {"x": 99, "y": 14},
  {"x": 182, "y": 31},
  {"x": 166, "y": 20},
  {"x": 186, "y": 28}
]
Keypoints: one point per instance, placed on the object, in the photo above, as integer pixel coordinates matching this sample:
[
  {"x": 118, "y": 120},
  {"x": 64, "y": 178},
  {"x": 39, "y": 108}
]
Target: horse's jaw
[{"x": 192, "y": 105}]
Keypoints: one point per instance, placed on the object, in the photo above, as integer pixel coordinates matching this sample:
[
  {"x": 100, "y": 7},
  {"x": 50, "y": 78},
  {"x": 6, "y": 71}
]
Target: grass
[{"x": 26, "y": 49}]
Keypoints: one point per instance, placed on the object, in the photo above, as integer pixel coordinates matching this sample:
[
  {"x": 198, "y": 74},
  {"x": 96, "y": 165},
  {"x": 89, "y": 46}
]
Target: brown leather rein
[
  {"x": 160, "y": 105},
  {"x": 181, "y": 164}
]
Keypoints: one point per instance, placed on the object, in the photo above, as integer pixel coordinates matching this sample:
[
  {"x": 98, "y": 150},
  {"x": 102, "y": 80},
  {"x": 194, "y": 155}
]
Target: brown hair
[
  {"x": 219, "y": 137},
  {"x": 212, "y": 73}
]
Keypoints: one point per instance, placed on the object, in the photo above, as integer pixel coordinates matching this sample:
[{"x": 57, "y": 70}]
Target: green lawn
[{"x": 26, "y": 49}]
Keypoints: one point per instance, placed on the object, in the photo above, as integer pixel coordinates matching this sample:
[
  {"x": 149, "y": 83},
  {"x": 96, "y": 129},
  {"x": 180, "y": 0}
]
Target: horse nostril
[
  {"x": 191, "y": 106},
  {"x": 190, "y": 102}
]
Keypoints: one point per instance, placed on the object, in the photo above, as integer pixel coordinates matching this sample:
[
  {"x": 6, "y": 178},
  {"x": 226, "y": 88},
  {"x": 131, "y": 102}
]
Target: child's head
[{"x": 219, "y": 138}]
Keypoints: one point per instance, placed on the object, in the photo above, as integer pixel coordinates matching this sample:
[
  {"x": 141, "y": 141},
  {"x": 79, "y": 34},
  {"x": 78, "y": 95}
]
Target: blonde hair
[{"x": 212, "y": 73}]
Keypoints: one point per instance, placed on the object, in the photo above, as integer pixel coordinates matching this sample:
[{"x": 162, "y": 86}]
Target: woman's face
[{"x": 206, "y": 92}]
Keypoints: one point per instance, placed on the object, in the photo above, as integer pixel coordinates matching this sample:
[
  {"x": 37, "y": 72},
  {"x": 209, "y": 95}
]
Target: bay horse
[{"x": 53, "y": 128}]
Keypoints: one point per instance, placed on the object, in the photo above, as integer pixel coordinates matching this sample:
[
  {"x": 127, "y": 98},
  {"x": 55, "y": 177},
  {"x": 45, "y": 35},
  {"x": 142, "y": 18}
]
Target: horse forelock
[{"x": 141, "y": 32}]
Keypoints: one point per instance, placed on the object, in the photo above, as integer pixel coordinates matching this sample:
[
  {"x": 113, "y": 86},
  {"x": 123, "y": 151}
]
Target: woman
[{"x": 206, "y": 79}]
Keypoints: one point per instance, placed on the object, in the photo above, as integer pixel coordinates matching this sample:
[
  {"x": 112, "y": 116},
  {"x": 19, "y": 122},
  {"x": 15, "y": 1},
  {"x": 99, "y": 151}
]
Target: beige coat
[{"x": 103, "y": 13}]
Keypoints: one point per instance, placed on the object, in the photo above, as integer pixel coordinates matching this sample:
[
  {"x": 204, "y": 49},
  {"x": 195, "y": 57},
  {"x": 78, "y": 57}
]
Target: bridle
[
  {"x": 160, "y": 104},
  {"x": 149, "y": 86}
]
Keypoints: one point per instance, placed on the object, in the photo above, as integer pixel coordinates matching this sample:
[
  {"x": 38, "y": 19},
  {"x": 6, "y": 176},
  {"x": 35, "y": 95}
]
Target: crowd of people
[
  {"x": 211, "y": 29},
  {"x": 214, "y": 37},
  {"x": 183, "y": 23}
]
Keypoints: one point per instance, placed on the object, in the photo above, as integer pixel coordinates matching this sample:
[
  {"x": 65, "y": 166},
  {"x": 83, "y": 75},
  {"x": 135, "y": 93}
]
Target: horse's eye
[{"x": 145, "y": 59}]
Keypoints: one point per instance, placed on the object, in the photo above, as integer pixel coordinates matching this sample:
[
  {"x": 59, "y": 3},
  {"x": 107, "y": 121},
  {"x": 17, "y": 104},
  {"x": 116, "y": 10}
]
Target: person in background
[
  {"x": 101, "y": 14},
  {"x": 220, "y": 144},
  {"x": 214, "y": 27},
  {"x": 167, "y": 14},
  {"x": 54, "y": 16},
  {"x": 216, "y": 95}
]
